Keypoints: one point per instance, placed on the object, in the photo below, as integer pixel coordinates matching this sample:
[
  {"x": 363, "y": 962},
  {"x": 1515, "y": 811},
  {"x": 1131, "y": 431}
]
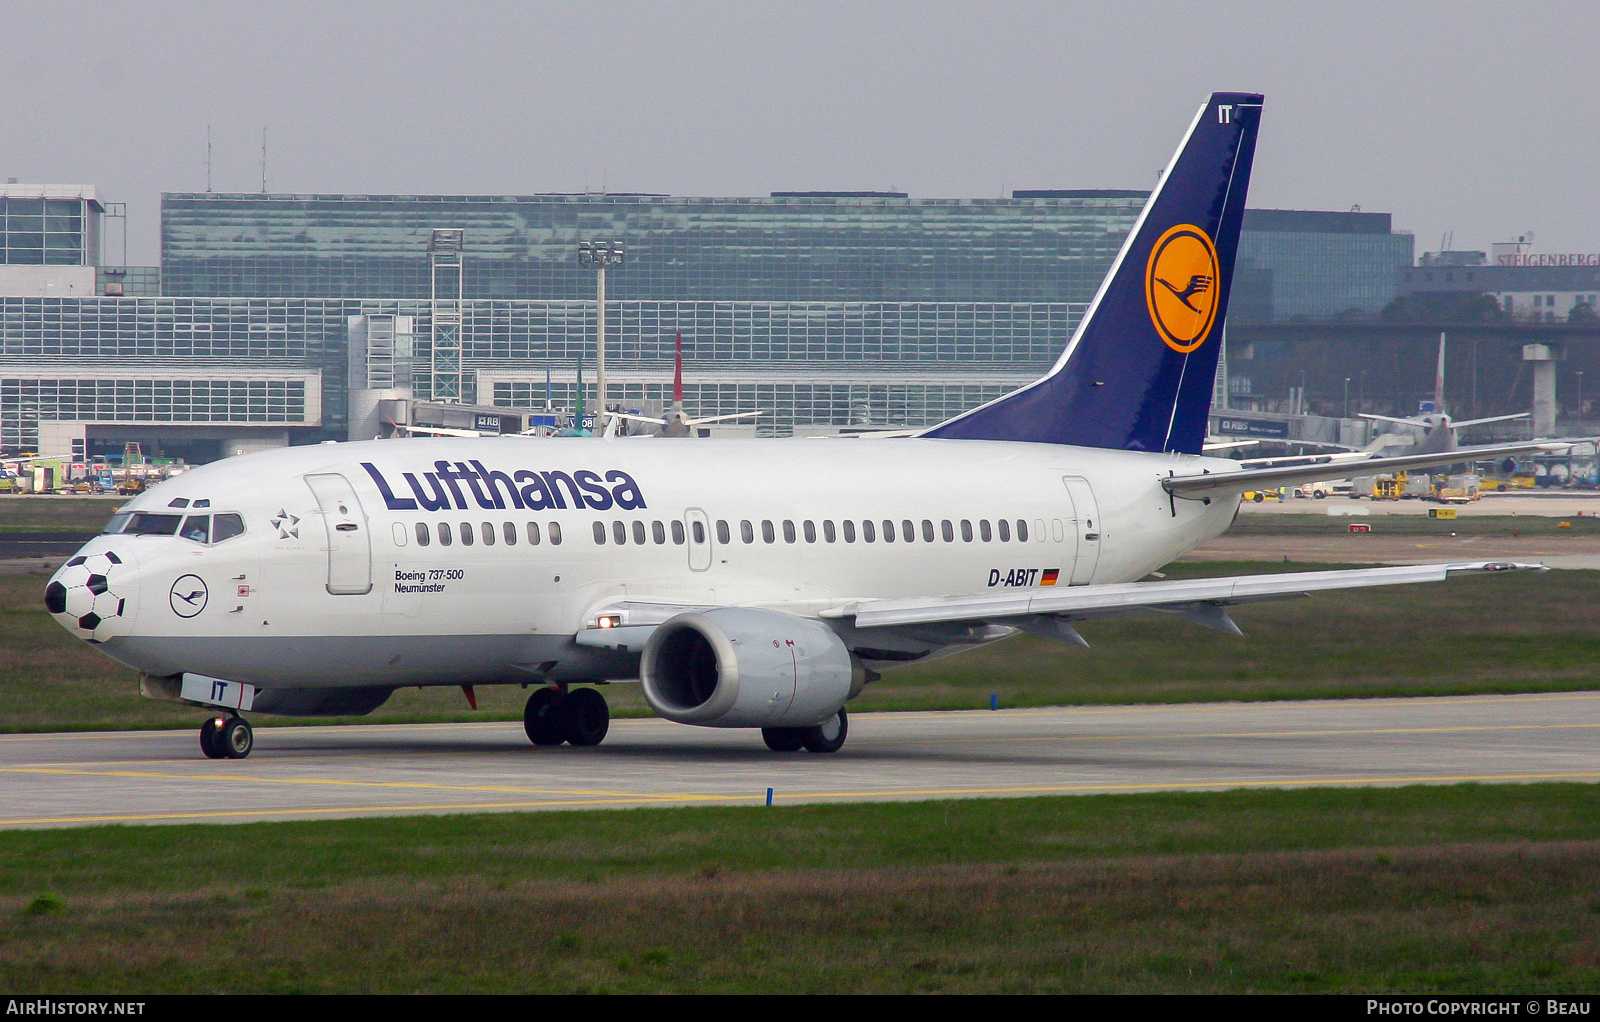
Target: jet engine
[{"x": 733, "y": 667}]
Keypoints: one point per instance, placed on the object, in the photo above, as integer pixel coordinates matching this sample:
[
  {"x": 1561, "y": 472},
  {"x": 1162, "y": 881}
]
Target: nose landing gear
[
  {"x": 578, "y": 717},
  {"x": 226, "y": 738}
]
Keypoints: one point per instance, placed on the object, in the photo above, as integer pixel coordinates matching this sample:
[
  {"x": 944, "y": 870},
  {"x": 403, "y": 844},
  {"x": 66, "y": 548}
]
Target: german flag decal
[{"x": 1049, "y": 577}]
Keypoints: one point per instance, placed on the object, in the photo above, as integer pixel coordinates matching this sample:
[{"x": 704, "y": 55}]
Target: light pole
[
  {"x": 1580, "y": 395},
  {"x": 1347, "y": 397},
  {"x": 600, "y": 254}
]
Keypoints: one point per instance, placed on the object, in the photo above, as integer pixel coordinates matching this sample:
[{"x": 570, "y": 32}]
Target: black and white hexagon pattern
[{"x": 83, "y": 596}]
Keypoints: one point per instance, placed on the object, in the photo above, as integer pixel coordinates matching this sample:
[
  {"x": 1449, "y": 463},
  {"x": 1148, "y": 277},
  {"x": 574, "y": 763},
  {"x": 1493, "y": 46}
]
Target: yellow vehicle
[{"x": 1260, "y": 495}]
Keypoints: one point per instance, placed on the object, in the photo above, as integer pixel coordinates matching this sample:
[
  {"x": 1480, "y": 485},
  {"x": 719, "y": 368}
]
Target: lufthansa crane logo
[
  {"x": 1180, "y": 287},
  {"x": 188, "y": 596}
]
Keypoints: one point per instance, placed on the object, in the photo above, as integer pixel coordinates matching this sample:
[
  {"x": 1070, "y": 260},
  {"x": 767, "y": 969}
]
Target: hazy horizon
[{"x": 1476, "y": 119}]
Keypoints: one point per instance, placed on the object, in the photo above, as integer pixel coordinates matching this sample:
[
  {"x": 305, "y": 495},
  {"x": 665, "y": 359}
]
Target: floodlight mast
[{"x": 600, "y": 254}]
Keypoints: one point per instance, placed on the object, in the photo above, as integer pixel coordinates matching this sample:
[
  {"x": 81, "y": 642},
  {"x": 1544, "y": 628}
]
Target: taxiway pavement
[{"x": 302, "y": 773}]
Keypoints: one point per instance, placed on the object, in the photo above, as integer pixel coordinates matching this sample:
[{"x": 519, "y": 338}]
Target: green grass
[
  {"x": 1442, "y": 889},
  {"x": 71, "y": 515},
  {"x": 1281, "y": 524},
  {"x": 1506, "y": 633}
]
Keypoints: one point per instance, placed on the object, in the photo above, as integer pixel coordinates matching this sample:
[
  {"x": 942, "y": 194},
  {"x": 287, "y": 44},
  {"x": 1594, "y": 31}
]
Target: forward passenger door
[{"x": 349, "y": 547}]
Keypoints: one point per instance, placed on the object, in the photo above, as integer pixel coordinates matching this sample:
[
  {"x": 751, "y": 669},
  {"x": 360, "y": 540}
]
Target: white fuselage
[{"x": 335, "y": 587}]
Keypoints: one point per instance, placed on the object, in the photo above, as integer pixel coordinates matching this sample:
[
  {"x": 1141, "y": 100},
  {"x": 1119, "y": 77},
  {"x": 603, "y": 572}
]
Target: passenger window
[
  {"x": 699, "y": 533},
  {"x": 196, "y": 528},
  {"x": 811, "y": 532},
  {"x": 888, "y": 531},
  {"x": 466, "y": 533},
  {"x": 908, "y": 532},
  {"x": 224, "y": 527},
  {"x": 488, "y": 533},
  {"x": 555, "y": 533},
  {"x": 747, "y": 532},
  {"x": 868, "y": 534},
  {"x": 948, "y": 530},
  {"x": 827, "y": 530},
  {"x": 1022, "y": 530},
  {"x": 1005, "y": 530},
  {"x": 619, "y": 532},
  {"x": 422, "y": 534},
  {"x": 849, "y": 530},
  {"x": 966, "y": 531},
  {"x": 1057, "y": 531},
  {"x": 723, "y": 534},
  {"x": 444, "y": 533},
  {"x": 768, "y": 535},
  {"x": 658, "y": 532},
  {"x": 1038, "y": 530},
  {"x": 399, "y": 534},
  {"x": 533, "y": 533},
  {"x": 599, "y": 533},
  {"x": 510, "y": 532},
  {"x": 788, "y": 531},
  {"x": 677, "y": 533},
  {"x": 983, "y": 531},
  {"x": 927, "y": 531},
  {"x": 638, "y": 533}
]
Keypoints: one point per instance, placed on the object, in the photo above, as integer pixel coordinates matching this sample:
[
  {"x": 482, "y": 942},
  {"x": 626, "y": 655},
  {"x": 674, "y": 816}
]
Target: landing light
[{"x": 610, "y": 620}]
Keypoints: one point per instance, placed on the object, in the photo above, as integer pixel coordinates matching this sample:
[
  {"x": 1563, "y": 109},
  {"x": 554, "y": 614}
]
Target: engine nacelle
[{"x": 732, "y": 667}]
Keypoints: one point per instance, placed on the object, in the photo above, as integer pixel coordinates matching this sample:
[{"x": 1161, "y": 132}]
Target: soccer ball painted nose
[{"x": 90, "y": 595}]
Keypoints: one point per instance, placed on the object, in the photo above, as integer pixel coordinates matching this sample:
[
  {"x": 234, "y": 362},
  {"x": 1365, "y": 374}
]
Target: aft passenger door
[
  {"x": 349, "y": 547},
  {"x": 699, "y": 527},
  {"x": 1086, "y": 526}
]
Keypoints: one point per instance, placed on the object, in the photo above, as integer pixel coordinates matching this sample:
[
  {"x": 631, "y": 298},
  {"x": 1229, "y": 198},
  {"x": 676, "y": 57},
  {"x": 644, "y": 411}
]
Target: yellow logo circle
[{"x": 1180, "y": 287}]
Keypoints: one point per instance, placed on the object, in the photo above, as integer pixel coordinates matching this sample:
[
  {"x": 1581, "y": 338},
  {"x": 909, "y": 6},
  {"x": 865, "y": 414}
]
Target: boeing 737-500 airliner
[{"x": 744, "y": 583}]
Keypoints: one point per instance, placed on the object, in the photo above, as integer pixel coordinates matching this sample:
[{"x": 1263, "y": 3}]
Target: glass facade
[
  {"x": 1312, "y": 264},
  {"x": 795, "y": 248},
  {"x": 848, "y": 363},
  {"x": 48, "y": 225}
]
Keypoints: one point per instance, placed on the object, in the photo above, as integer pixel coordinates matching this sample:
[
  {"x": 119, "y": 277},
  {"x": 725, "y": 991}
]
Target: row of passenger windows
[
  {"x": 867, "y": 532},
  {"x": 484, "y": 532}
]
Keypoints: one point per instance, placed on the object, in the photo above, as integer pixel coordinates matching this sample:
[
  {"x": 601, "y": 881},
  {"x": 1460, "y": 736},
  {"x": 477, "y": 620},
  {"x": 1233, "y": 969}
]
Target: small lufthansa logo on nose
[
  {"x": 1180, "y": 287},
  {"x": 188, "y": 596}
]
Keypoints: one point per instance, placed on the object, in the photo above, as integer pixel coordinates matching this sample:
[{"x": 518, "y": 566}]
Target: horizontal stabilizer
[{"x": 1217, "y": 483}]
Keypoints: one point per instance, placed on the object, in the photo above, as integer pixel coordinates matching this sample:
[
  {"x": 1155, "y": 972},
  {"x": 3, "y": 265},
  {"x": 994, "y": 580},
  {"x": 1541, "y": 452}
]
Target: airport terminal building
[{"x": 280, "y": 319}]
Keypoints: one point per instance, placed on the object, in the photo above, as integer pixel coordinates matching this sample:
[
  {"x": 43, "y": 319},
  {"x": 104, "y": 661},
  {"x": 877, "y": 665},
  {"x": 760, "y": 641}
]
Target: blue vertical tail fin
[{"x": 1138, "y": 372}]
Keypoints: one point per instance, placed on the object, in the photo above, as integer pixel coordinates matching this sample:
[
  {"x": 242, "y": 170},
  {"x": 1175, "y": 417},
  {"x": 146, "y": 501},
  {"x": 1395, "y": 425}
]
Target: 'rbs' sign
[{"x": 533, "y": 491}]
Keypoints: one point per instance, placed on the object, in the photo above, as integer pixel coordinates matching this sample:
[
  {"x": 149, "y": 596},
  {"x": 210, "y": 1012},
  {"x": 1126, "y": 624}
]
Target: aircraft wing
[
  {"x": 637, "y": 418},
  {"x": 719, "y": 418},
  {"x": 442, "y": 431},
  {"x": 1200, "y": 599},
  {"x": 1207, "y": 484}
]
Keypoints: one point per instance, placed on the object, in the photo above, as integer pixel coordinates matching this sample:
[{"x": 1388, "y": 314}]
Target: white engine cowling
[{"x": 732, "y": 667}]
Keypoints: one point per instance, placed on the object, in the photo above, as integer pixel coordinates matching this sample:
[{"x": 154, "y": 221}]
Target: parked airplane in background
[
  {"x": 1439, "y": 430},
  {"x": 677, "y": 421},
  {"x": 746, "y": 583}
]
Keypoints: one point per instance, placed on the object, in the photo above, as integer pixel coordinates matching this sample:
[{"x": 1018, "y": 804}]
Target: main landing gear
[
  {"x": 828, "y": 736},
  {"x": 578, "y": 716},
  {"x": 226, "y": 738}
]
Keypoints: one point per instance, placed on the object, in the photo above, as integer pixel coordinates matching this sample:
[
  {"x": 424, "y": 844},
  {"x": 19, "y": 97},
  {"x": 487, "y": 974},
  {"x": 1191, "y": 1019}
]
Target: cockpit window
[
  {"x": 226, "y": 527},
  {"x": 143, "y": 523},
  {"x": 196, "y": 528},
  {"x": 119, "y": 521}
]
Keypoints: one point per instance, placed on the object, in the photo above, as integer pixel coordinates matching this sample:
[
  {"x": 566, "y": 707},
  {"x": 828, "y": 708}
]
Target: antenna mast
[{"x": 263, "y": 161}]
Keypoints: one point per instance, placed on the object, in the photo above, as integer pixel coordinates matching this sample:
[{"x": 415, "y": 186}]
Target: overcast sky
[{"x": 1482, "y": 119}]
